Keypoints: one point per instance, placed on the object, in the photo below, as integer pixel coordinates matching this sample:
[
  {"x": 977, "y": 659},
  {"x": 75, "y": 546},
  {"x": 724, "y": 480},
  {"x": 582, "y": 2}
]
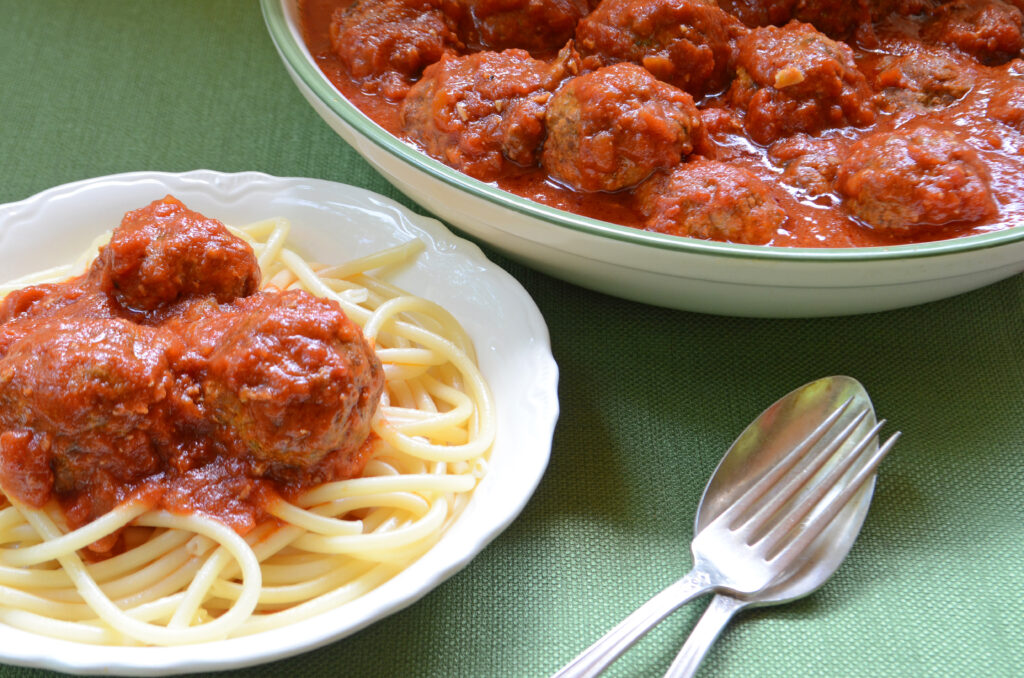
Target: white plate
[
  {"x": 655, "y": 268},
  {"x": 337, "y": 222}
]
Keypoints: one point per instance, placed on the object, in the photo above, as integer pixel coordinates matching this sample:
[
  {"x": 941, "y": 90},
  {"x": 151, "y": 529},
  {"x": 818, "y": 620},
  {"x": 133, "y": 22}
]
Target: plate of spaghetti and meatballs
[
  {"x": 748, "y": 157},
  {"x": 217, "y": 450}
]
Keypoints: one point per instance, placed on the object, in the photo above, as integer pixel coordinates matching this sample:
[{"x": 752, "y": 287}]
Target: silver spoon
[{"x": 815, "y": 505}]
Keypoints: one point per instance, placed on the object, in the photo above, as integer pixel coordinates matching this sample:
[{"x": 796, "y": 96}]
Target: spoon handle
[
  {"x": 607, "y": 649},
  {"x": 708, "y": 627}
]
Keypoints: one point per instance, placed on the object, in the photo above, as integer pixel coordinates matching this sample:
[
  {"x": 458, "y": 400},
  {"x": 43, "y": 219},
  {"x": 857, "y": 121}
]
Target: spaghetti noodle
[{"x": 189, "y": 578}]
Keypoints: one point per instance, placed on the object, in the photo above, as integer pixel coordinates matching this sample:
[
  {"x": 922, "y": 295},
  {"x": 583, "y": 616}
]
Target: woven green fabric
[{"x": 650, "y": 398}]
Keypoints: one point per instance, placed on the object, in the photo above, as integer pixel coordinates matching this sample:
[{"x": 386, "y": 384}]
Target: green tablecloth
[{"x": 650, "y": 397}]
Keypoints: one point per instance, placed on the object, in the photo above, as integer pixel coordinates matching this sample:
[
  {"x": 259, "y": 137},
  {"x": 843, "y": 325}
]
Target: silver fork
[{"x": 761, "y": 535}]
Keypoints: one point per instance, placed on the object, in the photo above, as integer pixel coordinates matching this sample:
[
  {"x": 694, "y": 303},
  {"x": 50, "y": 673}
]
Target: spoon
[{"x": 766, "y": 446}]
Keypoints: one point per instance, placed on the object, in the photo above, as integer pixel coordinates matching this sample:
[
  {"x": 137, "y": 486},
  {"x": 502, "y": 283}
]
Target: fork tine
[
  {"x": 788, "y": 554},
  {"x": 799, "y": 479},
  {"x": 781, "y": 526},
  {"x": 769, "y": 479}
]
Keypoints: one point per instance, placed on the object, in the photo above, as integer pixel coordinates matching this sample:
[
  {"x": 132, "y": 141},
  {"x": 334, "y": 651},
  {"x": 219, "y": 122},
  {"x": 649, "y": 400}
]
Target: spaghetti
[{"x": 189, "y": 578}]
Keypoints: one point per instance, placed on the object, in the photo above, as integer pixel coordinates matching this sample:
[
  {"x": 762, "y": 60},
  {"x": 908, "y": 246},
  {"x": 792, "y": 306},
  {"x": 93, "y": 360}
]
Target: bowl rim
[{"x": 290, "y": 45}]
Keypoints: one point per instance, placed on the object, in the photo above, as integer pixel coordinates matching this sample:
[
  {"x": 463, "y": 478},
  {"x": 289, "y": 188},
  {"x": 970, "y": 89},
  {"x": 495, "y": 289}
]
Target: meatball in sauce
[
  {"x": 538, "y": 26},
  {"x": 912, "y": 178},
  {"x": 611, "y": 128},
  {"x": 796, "y": 79},
  {"x": 771, "y": 112},
  {"x": 386, "y": 44},
  {"x": 164, "y": 373},
  {"x": 712, "y": 200},
  {"x": 686, "y": 43},
  {"x": 483, "y": 112}
]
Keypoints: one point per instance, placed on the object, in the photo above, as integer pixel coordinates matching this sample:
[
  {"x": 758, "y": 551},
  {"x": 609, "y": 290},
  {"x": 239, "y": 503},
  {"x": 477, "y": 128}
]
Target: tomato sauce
[{"x": 863, "y": 124}]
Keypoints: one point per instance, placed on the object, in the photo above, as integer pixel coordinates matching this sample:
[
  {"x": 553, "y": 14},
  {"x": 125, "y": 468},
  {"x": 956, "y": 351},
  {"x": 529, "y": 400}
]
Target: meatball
[
  {"x": 923, "y": 79},
  {"x": 610, "y": 129},
  {"x": 909, "y": 178},
  {"x": 839, "y": 19},
  {"x": 25, "y": 471},
  {"x": 43, "y": 377},
  {"x": 686, "y": 43},
  {"x": 538, "y": 26},
  {"x": 39, "y": 300},
  {"x": 165, "y": 253},
  {"x": 755, "y": 13},
  {"x": 20, "y": 307},
  {"x": 720, "y": 124},
  {"x": 711, "y": 200},
  {"x": 1007, "y": 106},
  {"x": 988, "y": 30},
  {"x": 294, "y": 379},
  {"x": 386, "y": 44},
  {"x": 484, "y": 113},
  {"x": 796, "y": 79},
  {"x": 90, "y": 416},
  {"x": 809, "y": 163},
  {"x": 883, "y": 9}
]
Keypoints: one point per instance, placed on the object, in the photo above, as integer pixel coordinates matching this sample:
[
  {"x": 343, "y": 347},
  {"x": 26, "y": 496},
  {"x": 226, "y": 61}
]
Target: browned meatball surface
[
  {"x": 85, "y": 389},
  {"x": 687, "y": 43},
  {"x": 1007, "y": 106},
  {"x": 611, "y": 128},
  {"x": 20, "y": 308},
  {"x": 755, "y": 13},
  {"x": 293, "y": 378},
  {"x": 386, "y": 44},
  {"x": 538, "y": 26},
  {"x": 988, "y": 30},
  {"x": 809, "y": 163},
  {"x": 926, "y": 78},
  {"x": 796, "y": 79},
  {"x": 126, "y": 373},
  {"x": 913, "y": 178},
  {"x": 839, "y": 19},
  {"x": 164, "y": 253},
  {"x": 711, "y": 200},
  {"x": 484, "y": 112}
]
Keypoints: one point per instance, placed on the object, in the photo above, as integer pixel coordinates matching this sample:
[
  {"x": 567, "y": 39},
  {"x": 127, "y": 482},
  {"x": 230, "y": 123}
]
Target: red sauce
[
  {"x": 163, "y": 373},
  {"x": 863, "y": 124}
]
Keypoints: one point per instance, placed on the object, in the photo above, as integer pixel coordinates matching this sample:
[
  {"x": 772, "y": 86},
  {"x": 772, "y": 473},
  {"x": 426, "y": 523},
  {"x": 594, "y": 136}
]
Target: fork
[{"x": 760, "y": 536}]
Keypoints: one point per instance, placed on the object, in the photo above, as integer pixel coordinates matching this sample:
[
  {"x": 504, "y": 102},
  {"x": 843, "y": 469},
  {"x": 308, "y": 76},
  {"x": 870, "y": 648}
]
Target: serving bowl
[{"x": 683, "y": 273}]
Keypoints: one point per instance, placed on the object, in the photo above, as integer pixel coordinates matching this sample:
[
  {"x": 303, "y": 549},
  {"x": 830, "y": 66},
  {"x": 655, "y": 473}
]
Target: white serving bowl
[{"x": 683, "y": 273}]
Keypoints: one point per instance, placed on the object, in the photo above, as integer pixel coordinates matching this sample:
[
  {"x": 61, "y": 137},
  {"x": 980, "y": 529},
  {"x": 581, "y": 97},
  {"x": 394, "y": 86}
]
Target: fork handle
[
  {"x": 607, "y": 649},
  {"x": 704, "y": 634}
]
